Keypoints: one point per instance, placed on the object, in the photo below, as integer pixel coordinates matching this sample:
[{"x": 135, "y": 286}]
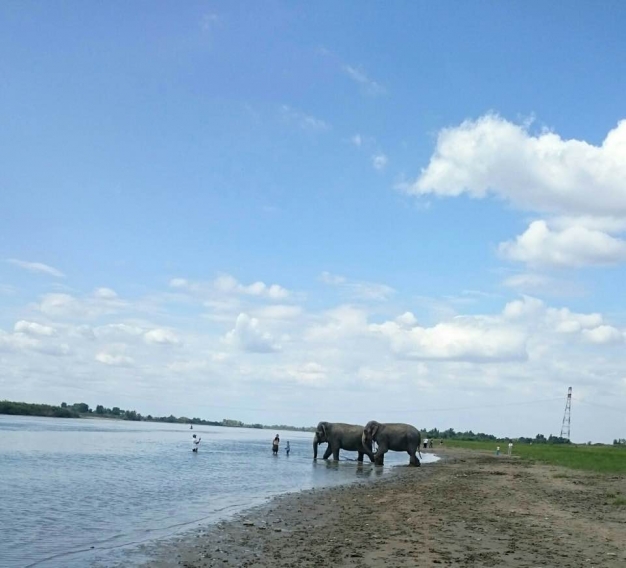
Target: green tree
[
  {"x": 115, "y": 411},
  {"x": 99, "y": 409}
]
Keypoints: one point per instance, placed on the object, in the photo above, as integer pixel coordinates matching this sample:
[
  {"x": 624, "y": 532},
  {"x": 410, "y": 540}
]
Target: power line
[{"x": 620, "y": 410}]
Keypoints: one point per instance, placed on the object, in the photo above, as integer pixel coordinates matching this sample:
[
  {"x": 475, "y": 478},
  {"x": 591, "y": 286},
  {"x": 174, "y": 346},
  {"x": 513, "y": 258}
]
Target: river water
[{"x": 75, "y": 493}]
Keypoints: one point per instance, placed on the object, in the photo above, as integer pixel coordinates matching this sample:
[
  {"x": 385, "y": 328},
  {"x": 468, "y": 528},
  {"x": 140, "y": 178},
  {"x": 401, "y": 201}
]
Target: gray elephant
[
  {"x": 340, "y": 437},
  {"x": 395, "y": 437}
]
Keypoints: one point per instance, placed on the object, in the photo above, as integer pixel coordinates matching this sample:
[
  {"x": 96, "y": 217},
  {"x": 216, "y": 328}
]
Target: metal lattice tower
[{"x": 565, "y": 427}]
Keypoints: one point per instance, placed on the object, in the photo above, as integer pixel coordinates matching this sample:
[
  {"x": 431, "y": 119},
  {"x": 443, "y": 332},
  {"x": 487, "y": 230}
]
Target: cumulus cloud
[
  {"x": 571, "y": 247},
  {"x": 248, "y": 335},
  {"x": 30, "y": 339},
  {"x": 39, "y": 267},
  {"x": 226, "y": 284},
  {"x": 464, "y": 339},
  {"x": 541, "y": 172},
  {"x": 603, "y": 334},
  {"x": 580, "y": 185},
  {"x": 161, "y": 337},
  {"x": 338, "y": 323},
  {"x": 33, "y": 328}
]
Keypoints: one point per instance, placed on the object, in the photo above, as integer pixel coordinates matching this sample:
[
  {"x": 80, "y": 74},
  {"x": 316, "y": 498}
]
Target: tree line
[
  {"x": 469, "y": 436},
  {"x": 79, "y": 409},
  {"x": 82, "y": 409}
]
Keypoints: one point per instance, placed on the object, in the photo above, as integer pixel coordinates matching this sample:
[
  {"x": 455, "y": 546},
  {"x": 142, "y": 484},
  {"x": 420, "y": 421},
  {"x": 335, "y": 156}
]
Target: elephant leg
[
  {"x": 379, "y": 456},
  {"x": 328, "y": 451},
  {"x": 336, "y": 454},
  {"x": 413, "y": 458},
  {"x": 360, "y": 457}
]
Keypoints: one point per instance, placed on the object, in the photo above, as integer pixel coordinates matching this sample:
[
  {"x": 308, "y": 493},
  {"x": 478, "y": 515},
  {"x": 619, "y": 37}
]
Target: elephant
[
  {"x": 340, "y": 437},
  {"x": 395, "y": 437}
]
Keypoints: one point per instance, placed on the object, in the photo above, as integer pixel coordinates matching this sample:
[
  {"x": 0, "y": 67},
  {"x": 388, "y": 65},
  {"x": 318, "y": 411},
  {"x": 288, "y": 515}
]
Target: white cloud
[
  {"x": 358, "y": 289},
  {"x": 277, "y": 312},
  {"x": 527, "y": 282},
  {"x": 37, "y": 267},
  {"x": 406, "y": 320},
  {"x": 571, "y": 247},
  {"x": 115, "y": 360},
  {"x": 304, "y": 121},
  {"x": 33, "y": 328},
  {"x": 338, "y": 323},
  {"x": 16, "y": 341},
  {"x": 219, "y": 293},
  {"x": 368, "y": 86},
  {"x": 179, "y": 283},
  {"x": 332, "y": 279},
  {"x": 540, "y": 172},
  {"x": 105, "y": 294},
  {"x": 29, "y": 340},
  {"x": 248, "y": 335},
  {"x": 161, "y": 337},
  {"x": 579, "y": 185},
  {"x": 463, "y": 339},
  {"x": 379, "y": 161},
  {"x": 357, "y": 140},
  {"x": 603, "y": 334},
  {"x": 67, "y": 306},
  {"x": 310, "y": 373},
  {"x": 229, "y": 284},
  {"x": 116, "y": 331}
]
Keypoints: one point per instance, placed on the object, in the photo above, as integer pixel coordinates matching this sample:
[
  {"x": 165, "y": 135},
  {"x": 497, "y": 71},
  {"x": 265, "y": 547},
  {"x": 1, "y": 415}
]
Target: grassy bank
[{"x": 605, "y": 459}]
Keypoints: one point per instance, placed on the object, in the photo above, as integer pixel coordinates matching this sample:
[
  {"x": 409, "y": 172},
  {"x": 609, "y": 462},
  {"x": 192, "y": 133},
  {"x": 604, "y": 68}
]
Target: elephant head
[
  {"x": 321, "y": 435},
  {"x": 369, "y": 432}
]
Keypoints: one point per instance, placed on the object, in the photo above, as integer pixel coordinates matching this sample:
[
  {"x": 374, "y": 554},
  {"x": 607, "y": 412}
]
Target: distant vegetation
[
  {"x": 82, "y": 409},
  {"x": 26, "y": 409},
  {"x": 469, "y": 436},
  {"x": 597, "y": 457}
]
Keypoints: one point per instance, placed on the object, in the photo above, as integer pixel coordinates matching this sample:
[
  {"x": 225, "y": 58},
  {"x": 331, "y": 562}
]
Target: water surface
[{"x": 78, "y": 492}]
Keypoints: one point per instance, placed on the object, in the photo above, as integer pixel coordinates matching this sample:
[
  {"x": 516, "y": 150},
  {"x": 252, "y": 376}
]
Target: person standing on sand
[
  {"x": 196, "y": 443},
  {"x": 510, "y": 452},
  {"x": 275, "y": 444},
  {"x": 287, "y": 448}
]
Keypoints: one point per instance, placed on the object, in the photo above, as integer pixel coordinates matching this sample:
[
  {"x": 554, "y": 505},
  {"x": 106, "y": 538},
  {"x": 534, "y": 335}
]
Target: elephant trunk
[{"x": 315, "y": 444}]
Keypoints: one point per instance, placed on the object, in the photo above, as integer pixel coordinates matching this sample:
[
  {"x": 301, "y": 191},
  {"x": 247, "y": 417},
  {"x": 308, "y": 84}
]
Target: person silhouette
[{"x": 275, "y": 444}]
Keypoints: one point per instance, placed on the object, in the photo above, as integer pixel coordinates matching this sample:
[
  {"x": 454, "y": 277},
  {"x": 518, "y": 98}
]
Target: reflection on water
[{"x": 77, "y": 492}]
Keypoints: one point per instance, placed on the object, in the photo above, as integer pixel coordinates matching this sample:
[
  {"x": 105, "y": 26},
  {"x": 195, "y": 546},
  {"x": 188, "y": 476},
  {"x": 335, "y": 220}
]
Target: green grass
[
  {"x": 620, "y": 502},
  {"x": 604, "y": 459}
]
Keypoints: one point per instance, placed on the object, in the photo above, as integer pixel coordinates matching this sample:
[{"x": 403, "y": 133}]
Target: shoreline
[{"x": 469, "y": 509}]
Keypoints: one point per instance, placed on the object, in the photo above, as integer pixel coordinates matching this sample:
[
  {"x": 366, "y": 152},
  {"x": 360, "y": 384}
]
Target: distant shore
[{"x": 470, "y": 509}]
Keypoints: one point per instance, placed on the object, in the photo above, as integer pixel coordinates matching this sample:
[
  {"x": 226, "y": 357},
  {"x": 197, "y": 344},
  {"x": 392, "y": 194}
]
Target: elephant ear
[{"x": 324, "y": 430}]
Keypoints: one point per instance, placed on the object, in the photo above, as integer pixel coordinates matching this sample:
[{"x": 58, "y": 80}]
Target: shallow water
[{"x": 79, "y": 492}]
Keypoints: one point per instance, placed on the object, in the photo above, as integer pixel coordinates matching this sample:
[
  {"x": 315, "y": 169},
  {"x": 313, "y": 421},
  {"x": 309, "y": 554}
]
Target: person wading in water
[{"x": 275, "y": 445}]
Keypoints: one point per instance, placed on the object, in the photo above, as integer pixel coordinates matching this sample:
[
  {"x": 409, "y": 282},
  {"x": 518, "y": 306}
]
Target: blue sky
[{"x": 435, "y": 192}]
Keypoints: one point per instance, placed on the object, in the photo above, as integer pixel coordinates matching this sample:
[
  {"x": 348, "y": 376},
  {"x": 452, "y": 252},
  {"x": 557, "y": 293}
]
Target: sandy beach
[{"x": 469, "y": 509}]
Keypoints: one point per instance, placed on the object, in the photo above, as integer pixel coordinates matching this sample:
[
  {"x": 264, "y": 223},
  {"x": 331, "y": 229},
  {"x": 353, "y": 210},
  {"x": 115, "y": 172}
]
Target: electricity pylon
[{"x": 565, "y": 427}]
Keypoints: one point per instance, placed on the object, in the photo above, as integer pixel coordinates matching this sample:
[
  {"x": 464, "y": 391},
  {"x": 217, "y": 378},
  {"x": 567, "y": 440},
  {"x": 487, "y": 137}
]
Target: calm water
[{"x": 79, "y": 492}]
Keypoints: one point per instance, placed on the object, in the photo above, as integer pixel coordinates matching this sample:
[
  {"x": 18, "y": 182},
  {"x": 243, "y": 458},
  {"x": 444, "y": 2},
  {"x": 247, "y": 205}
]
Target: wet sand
[{"x": 470, "y": 509}]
